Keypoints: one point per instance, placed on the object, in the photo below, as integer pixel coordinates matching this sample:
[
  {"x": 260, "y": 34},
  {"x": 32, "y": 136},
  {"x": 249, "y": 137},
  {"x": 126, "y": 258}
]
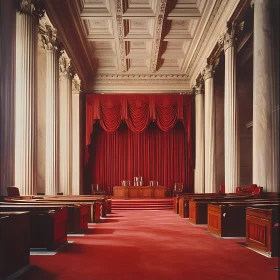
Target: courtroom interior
[{"x": 139, "y": 139}]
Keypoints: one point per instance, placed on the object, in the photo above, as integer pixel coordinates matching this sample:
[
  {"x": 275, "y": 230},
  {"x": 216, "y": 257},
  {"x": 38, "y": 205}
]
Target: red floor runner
[{"x": 151, "y": 245}]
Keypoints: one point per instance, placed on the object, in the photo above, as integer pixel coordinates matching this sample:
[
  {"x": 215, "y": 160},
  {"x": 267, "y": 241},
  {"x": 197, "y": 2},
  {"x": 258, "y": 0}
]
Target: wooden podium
[{"x": 139, "y": 192}]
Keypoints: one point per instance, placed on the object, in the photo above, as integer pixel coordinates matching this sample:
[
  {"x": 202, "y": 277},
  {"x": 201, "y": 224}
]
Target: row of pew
[
  {"x": 43, "y": 222},
  {"x": 241, "y": 214}
]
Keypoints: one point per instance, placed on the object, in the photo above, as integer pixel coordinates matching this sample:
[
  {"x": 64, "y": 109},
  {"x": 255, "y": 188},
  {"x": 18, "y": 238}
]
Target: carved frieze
[{"x": 157, "y": 40}]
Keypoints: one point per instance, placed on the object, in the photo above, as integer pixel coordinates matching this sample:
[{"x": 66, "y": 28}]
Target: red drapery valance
[{"x": 137, "y": 111}]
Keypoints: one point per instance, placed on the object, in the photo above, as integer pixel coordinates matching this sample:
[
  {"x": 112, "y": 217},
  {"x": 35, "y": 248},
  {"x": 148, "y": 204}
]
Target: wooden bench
[
  {"x": 48, "y": 228},
  {"x": 77, "y": 214},
  {"x": 198, "y": 206},
  {"x": 14, "y": 242},
  {"x": 262, "y": 230},
  {"x": 229, "y": 219}
]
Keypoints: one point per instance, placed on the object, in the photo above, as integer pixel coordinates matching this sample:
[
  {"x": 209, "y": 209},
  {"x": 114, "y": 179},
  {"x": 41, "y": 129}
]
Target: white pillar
[
  {"x": 76, "y": 136},
  {"x": 49, "y": 38},
  {"x": 199, "y": 186},
  {"x": 263, "y": 90},
  {"x": 210, "y": 132},
  {"x": 232, "y": 157},
  {"x": 65, "y": 125},
  {"x": 7, "y": 94},
  {"x": 25, "y": 104}
]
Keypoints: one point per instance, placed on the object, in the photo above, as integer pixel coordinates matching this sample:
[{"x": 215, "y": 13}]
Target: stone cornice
[
  {"x": 215, "y": 26},
  {"x": 34, "y": 8}
]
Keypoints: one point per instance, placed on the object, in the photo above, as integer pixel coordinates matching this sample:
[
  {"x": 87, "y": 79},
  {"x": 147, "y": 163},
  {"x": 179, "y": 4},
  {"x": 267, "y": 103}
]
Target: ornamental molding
[
  {"x": 229, "y": 37},
  {"x": 34, "y": 8},
  {"x": 48, "y": 35},
  {"x": 158, "y": 35},
  {"x": 121, "y": 35},
  {"x": 136, "y": 81},
  {"x": 65, "y": 66},
  {"x": 104, "y": 77}
]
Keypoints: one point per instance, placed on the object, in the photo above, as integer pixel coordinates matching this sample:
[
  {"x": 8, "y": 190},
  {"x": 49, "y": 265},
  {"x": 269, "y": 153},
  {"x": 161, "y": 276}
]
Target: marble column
[
  {"x": 76, "y": 135},
  {"x": 25, "y": 95},
  {"x": 199, "y": 186},
  {"x": 232, "y": 157},
  {"x": 65, "y": 124},
  {"x": 7, "y": 94},
  {"x": 50, "y": 43},
  {"x": 263, "y": 90},
  {"x": 210, "y": 129}
]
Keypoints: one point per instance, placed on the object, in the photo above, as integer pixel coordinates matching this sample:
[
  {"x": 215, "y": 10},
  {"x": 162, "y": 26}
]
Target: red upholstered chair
[
  {"x": 246, "y": 190},
  {"x": 222, "y": 189},
  {"x": 97, "y": 189},
  {"x": 13, "y": 191},
  {"x": 153, "y": 183},
  {"x": 178, "y": 188}
]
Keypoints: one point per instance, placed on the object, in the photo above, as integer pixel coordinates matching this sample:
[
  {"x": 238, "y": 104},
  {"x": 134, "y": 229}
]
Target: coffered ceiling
[{"x": 133, "y": 45}]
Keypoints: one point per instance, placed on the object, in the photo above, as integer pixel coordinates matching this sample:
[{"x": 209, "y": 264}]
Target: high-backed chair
[
  {"x": 13, "y": 191},
  {"x": 125, "y": 183},
  {"x": 153, "y": 183},
  {"x": 178, "y": 188},
  {"x": 96, "y": 189}
]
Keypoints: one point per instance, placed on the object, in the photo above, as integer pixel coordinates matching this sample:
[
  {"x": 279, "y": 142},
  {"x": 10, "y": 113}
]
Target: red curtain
[{"x": 139, "y": 135}]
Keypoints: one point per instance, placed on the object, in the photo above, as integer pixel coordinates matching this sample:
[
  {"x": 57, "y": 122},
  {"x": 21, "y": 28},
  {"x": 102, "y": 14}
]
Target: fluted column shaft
[
  {"x": 199, "y": 186},
  {"x": 65, "y": 128},
  {"x": 232, "y": 157},
  {"x": 76, "y": 132},
  {"x": 52, "y": 78},
  {"x": 210, "y": 133},
  {"x": 263, "y": 90},
  {"x": 25, "y": 104},
  {"x": 7, "y": 94}
]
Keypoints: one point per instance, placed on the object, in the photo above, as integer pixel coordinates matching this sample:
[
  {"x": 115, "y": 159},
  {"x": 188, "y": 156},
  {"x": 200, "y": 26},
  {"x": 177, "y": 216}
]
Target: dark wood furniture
[
  {"x": 229, "y": 219},
  {"x": 14, "y": 242},
  {"x": 262, "y": 230},
  {"x": 131, "y": 192},
  {"x": 48, "y": 228}
]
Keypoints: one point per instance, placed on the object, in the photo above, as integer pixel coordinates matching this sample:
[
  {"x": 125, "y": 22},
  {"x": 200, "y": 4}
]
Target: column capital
[
  {"x": 76, "y": 84},
  {"x": 228, "y": 37},
  {"x": 48, "y": 35},
  {"x": 209, "y": 69},
  {"x": 34, "y": 8},
  {"x": 198, "y": 87},
  {"x": 65, "y": 65}
]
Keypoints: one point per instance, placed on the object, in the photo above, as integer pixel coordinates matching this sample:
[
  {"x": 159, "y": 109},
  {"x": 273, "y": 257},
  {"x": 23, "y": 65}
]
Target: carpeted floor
[{"x": 151, "y": 245}]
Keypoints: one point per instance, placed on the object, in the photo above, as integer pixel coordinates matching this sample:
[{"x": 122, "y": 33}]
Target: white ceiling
[{"x": 139, "y": 42}]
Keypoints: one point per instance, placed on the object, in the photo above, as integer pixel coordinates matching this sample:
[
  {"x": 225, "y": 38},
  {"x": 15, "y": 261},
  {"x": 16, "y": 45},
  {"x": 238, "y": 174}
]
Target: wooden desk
[{"x": 139, "y": 192}]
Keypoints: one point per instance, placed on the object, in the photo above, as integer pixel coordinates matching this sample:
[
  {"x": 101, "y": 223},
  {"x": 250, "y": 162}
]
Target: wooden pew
[
  {"x": 229, "y": 219},
  {"x": 176, "y": 200},
  {"x": 14, "y": 242},
  {"x": 77, "y": 214},
  {"x": 48, "y": 228},
  {"x": 198, "y": 206},
  {"x": 262, "y": 230}
]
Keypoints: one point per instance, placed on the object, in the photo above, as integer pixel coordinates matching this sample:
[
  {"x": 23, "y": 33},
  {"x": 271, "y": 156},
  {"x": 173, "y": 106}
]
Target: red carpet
[
  {"x": 142, "y": 204},
  {"x": 149, "y": 245}
]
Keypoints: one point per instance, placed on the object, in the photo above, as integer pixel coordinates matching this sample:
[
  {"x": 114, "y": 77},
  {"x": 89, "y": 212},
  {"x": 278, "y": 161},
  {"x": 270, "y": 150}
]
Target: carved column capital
[
  {"x": 198, "y": 87},
  {"x": 48, "y": 35},
  {"x": 209, "y": 69},
  {"x": 34, "y": 8},
  {"x": 76, "y": 84},
  {"x": 65, "y": 65},
  {"x": 229, "y": 37}
]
